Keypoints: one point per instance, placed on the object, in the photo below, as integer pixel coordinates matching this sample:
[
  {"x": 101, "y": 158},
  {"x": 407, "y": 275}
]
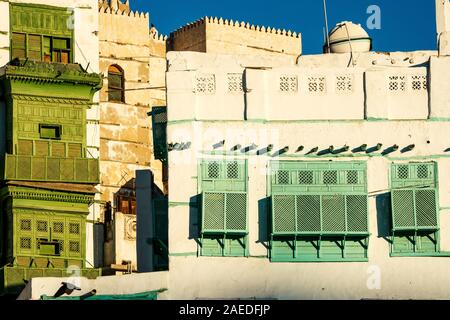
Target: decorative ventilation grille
[
  {"x": 419, "y": 83},
  {"x": 25, "y": 225},
  {"x": 305, "y": 177},
  {"x": 58, "y": 227},
  {"x": 213, "y": 170},
  {"x": 397, "y": 83},
  {"x": 344, "y": 84},
  {"x": 352, "y": 177},
  {"x": 330, "y": 177},
  {"x": 42, "y": 226},
  {"x": 74, "y": 228},
  {"x": 232, "y": 170},
  {"x": 283, "y": 177},
  {"x": 235, "y": 83},
  {"x": 130, "y": 228},
  {"x": 74, "y": 246},
  {"x": 288, "y": 83},
  {"x": 205, "y": 84},
  {"x": 317, "y": 84},
  {"x": 25, "y": 243}
]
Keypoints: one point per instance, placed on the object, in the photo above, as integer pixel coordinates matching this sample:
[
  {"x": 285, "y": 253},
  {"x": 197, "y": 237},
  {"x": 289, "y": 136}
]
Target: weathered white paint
[
  {"x": 125, "y": 249},
  {"x": 114, "y": 285},
  {"x": 369, "y": 115}
]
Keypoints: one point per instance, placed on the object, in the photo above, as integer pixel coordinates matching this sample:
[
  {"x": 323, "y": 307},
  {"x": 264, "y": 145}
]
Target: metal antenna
[{"x": 326, "y": 24}]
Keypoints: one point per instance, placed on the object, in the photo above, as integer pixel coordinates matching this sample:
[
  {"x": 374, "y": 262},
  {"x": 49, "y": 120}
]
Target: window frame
[
  {"x": 223, "y": 242},
  {"x": 111, "y": 88},
  {"x": 43, "y": 47},
  {"x": 407, "y": 241},
  {"x": 323, "y": 245}
]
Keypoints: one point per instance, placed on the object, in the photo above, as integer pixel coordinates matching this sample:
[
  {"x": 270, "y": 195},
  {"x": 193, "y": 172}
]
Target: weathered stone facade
[
  {"x": 128, "y": 43},
  {"x": 222, "y": 36}
]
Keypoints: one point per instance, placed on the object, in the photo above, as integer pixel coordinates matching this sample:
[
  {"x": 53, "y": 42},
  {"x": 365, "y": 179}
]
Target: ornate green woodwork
[
  {"x": 46, "y": 232},
  {"x": 50, "y": 169},
  {"x": 41, "y": 96},
  {"x": 223, "y": 187},
  {"x": 42, "y": 33},
  {"x": 415, "y": 208},
  {"x": 40, "y": 19},
  {"x": 46, "y": 178},
  {"x": 319, "y": 211}
]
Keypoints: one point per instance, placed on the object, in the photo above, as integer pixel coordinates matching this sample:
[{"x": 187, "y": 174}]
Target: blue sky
[{"x": 406, "y": 25}]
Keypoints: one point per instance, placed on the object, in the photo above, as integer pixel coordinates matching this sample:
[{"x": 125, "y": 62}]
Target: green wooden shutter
[
  {"x": 159, "y": 127},
  {"x": 224, "y": 207},
  {"x": 415, "y": 208},
  {"x": 319, "y": 211}
]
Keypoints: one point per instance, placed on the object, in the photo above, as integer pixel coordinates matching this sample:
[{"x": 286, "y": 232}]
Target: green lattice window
[
  {"x": 45, "y": 235},
  {"x": 223, "y": 184},
  {"x": 415, "y": 209},
  {"x": 319, "y": 211}
]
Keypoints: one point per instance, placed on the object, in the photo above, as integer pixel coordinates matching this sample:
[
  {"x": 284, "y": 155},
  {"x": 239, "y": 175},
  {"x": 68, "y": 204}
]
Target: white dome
[{"x": 340, "y": 35}]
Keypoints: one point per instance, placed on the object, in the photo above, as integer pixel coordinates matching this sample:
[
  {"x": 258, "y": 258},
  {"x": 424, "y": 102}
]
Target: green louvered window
[
  {"x": 319, "y": 211},
  {"x": 40, "y": 48},
  {"x": 415, "y": 209},
  {"x": 224, "y": 208}
]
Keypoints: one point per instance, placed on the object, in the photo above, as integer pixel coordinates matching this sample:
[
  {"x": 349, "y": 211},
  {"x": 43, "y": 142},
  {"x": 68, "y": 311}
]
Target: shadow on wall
[
  {"x": 264, "y": 222},
  {"x": 383, "y": 203},
  {"x": 195, "y": 218}
]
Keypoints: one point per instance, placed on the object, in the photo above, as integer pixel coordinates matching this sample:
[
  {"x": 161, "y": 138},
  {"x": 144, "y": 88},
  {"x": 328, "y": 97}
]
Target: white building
[{"x": 316, "y": 180}]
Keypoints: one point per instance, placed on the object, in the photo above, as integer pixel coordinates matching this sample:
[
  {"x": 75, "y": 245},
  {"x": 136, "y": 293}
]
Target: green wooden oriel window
[
  {"x": 224, "y": 208},
  {"x": 319, "y": 211},
  {"x": 415, "y": 208},
  {"x": 58, "y": 236},
  {"x": 41, "y": 33}
]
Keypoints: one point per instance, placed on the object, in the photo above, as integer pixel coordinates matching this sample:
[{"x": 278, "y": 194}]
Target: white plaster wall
[
  {"x": 399, "y": 118},
  {"x": 114, "y": 285},
  {"x": 125, "y": 249},
  {"x": 370, "y": 95},
  {"x": 4, "y": 33},
  {"x": 401, "y": 278}
]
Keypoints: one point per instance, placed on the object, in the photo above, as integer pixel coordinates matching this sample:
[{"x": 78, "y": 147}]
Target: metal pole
[{"x": 326, "y": 24}]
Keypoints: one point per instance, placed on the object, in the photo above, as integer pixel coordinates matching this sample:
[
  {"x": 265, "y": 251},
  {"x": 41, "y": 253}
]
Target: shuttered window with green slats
[
  {"x": 223, "y": 185},
  {"x": 415, "y": 209},
  {"x": 319, "y": 211}
]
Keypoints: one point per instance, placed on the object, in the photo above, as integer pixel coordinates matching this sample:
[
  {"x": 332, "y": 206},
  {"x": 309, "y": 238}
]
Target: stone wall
[{"x": 218, "y": 35}]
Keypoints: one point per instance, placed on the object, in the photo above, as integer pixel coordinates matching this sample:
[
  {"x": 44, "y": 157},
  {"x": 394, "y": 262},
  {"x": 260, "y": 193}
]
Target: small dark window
[
  {"x": 48, "y": 131},
  {"x": 116, "y": 84},
  {"x": 126, "y": 204}
]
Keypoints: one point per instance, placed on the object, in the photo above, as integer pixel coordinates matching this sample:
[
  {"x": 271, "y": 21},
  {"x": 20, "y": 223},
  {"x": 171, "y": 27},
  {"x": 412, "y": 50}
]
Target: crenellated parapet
[
  {"x": 118, "y": 8},
  {"x": 219, "y": 35},
  {"x": 236, "y": 24}
]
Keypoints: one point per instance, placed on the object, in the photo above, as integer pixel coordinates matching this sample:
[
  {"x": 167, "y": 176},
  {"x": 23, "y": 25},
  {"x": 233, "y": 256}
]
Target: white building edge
[{"x": 375, "y": 109}]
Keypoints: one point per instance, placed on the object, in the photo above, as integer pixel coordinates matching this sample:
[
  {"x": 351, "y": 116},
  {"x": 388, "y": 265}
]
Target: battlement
[
  {"x": 155, "y": 36},
  {"x": 118, "y": 8},
  {"x": 218, "y": 35},
  {"x": 236, "y": 24}
]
